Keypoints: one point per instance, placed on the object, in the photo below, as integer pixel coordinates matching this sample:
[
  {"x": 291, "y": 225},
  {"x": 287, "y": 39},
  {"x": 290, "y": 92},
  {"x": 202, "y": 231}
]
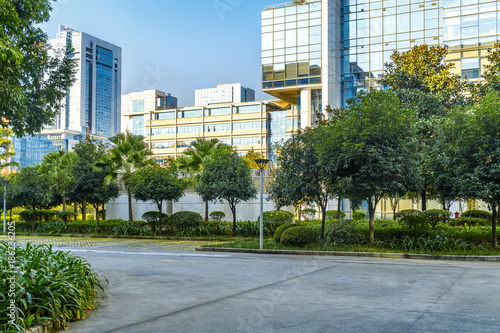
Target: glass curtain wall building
[
  {"x": 323, "y": 52},
  {"x": 93, "y": 102}
]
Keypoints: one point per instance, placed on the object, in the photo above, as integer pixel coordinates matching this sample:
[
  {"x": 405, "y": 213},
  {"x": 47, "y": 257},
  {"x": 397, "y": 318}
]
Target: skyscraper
[
  {"x": 93, "y": 102},
  {"x": 323, "y": 52}
]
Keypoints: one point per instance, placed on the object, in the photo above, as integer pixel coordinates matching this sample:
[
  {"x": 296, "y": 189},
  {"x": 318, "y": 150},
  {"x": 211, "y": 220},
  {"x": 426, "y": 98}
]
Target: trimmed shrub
[
  {"x": 437, "y": 216},
  {"x": 342, "y": 232},
  {"x": 67, "y": 215},
  {"x": 26, "y": 215},
  {"x": 273, "y": 219},
  {"x": 54, "y": 227},
  {"x": 406, "y": 212},
  {"x": 414, "y": 223},
  {"x": 281, "y": 229},
  {"x": 217, "y": 215},
  {"x": 479, "y": 214},
  {"x": 155, "y": 220},
  {"x": 45, "y": 214},
  {"x": 299, "y": 236},
  {"x": 308, "y": 213},
  {"x": 185, "y": 220},
  {"x": 332, "y": 215},
  {"x": 358, "y": 215}
]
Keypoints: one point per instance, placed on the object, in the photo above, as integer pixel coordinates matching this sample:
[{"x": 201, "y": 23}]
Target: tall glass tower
[
  {"x": 92, "y": 105},
  {"x": 322, "y": 52}
]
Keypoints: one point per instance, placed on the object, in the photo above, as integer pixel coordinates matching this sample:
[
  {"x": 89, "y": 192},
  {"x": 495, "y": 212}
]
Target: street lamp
[
  {"x": 262, "y": 164},
  {"x": 4, "y": 182}
]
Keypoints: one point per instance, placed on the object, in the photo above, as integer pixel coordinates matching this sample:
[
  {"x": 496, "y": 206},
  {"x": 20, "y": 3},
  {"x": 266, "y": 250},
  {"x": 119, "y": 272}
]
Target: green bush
[
  {"x": 53, "y": 227},
  {"x": 217, "y": 215},
  {"x": 45, "y": 214},
  {"x": 155, "y": 220},
  {"x": 406, "y": 212},
  {"x": 342, "y": 232},
  {"x": 185, "y": 220},
  {"x": 67, "y": 215},
  {"x": 26, "y": 215},
  {"x": 299, "y": 236},
  {"x": 281, "y": 229},
  {"x": 358, "y": 215},
  {"x": 332, "y": 215},
  {"x": 308, "y": 213},
  {"x": 273, "y": 219},
  {"x": 414, "y": 223},
  {"x": 248, "y": 228},
  {"x": 437, "y": 216},
  {"x": 479, "y": 214},
  {"x": 127, "y": 228},
  {"x": 471, "y": 222},
  {"x": 50, "y": 284}
]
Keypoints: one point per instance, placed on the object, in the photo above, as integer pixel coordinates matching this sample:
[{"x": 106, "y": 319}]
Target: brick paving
[{"x": 112, "y": 243}]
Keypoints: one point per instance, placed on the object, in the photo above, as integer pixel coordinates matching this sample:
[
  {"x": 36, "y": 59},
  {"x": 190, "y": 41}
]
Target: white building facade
[{"x": 224, "y": 93}]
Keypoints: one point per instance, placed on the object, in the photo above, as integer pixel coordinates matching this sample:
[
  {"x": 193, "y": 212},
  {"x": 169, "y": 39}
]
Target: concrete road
[{"x": 166, "y": 291}]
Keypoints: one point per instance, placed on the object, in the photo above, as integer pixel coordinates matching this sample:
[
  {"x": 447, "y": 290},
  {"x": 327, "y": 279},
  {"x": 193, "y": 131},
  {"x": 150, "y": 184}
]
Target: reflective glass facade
[{"x": 346, "y": 44}]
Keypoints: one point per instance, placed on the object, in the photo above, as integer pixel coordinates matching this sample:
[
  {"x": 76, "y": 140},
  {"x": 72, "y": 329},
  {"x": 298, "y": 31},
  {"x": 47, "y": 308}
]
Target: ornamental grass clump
[{"x": 48, "y": 286}]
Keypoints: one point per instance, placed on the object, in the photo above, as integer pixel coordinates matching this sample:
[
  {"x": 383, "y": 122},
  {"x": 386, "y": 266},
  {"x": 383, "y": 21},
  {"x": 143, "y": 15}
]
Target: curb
[{"x": 356, "y": 254}]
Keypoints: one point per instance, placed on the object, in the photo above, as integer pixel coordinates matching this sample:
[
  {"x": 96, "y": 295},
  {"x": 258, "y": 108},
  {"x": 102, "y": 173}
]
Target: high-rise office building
[
  {"x": 224, "y": 93},
  {"x": 322, "y": 52},
  {"x": 92, "y": 105}
]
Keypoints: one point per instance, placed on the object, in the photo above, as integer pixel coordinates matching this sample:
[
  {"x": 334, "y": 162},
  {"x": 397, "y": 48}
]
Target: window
[
  {"x": 252, "y": 125},
  {"x": 138, "y": 106},
  {"x": 189, "y": 113},
  {"x": 218, "y": 128},
  {"x": 189, "y": 129},
  {"x": 247, "y": 109}
]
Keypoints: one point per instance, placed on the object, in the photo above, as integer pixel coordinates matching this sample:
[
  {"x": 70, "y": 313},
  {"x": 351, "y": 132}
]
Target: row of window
[
  {"x": 291, "y": 10},
  {"x": 199, "y": 112},
  {"x": 185, "y": 144},
  {"x": 224, "y": 127},
  {"x": 291, "y": 83},
  {"x": 291, "y": 38}
]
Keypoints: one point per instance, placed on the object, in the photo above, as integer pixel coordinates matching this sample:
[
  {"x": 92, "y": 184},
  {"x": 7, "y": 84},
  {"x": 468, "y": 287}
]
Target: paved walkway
[{"x": 112, "y": 243}]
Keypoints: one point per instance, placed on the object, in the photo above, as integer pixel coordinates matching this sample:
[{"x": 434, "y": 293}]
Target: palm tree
[
  {"x": 56, "y": 168},
  {"x": 197, "y": 154},
  {"x": 129, "y": 153}
]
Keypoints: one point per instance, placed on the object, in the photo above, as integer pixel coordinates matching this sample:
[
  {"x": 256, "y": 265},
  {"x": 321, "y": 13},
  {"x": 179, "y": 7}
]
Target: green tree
[
  {"x": 226, "y": 176},
  {"x": 89, "y": 181},
  {"x": 6, "y": 148},
  {"x": 470, "y": 143},
  {"x": 157, "y": 184},
  {"x": 33, "y": 78},
  {"x": 299, "y": 177},
  {"x": 29, "y": 189},
  {"x": 194, "y": 160},
  {"x": 250, "y": 158},
  {"x": 128, "y": 155},
  {"x": 370, "y": 151},
  {"x": 490, "y": 74},
  {"x": 57, "y": 167},
  {"x": 424, "y": 82}
]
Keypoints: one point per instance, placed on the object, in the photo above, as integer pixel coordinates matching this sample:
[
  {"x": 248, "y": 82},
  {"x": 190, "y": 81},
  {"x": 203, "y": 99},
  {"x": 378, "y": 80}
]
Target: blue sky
[{"x": 173, "y": 45}]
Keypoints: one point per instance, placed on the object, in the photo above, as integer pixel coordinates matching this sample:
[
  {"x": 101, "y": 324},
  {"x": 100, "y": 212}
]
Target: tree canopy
[
  {"x": 33, "y": 78},
  {"x": 226, "y": 176}
]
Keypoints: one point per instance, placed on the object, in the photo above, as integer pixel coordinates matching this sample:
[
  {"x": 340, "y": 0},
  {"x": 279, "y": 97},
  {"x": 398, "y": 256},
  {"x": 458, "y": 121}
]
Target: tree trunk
[
  {"x": 233, "y": 210},
  {"x": 371, "y": 213},
  {"x": 339, "y": 202},
  {"x": 103, "y": 211},
  {"x": 130, "y": 217},
  {"x": 300, "y": 212},
  {"x": 424, "y": 200},
  {"x": 64, "y": 203},
  {"x": 206, "y": 210},
  {"x": 323, "y": 218},
  {"x": 33, "y": 220},
  {"x": 84, "y": 210},
  {"x": 494, "y": 239},
  {"x": 11, "y": 215},
  {"x": 96, "y": 214},
  {"x": 160, "y": 222}
]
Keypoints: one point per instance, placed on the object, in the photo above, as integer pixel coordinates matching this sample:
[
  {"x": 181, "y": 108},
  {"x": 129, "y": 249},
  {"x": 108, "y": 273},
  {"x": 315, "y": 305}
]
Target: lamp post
[
  {"x": 262, "y": 164},
  {"x": 4, "y": 182}
]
